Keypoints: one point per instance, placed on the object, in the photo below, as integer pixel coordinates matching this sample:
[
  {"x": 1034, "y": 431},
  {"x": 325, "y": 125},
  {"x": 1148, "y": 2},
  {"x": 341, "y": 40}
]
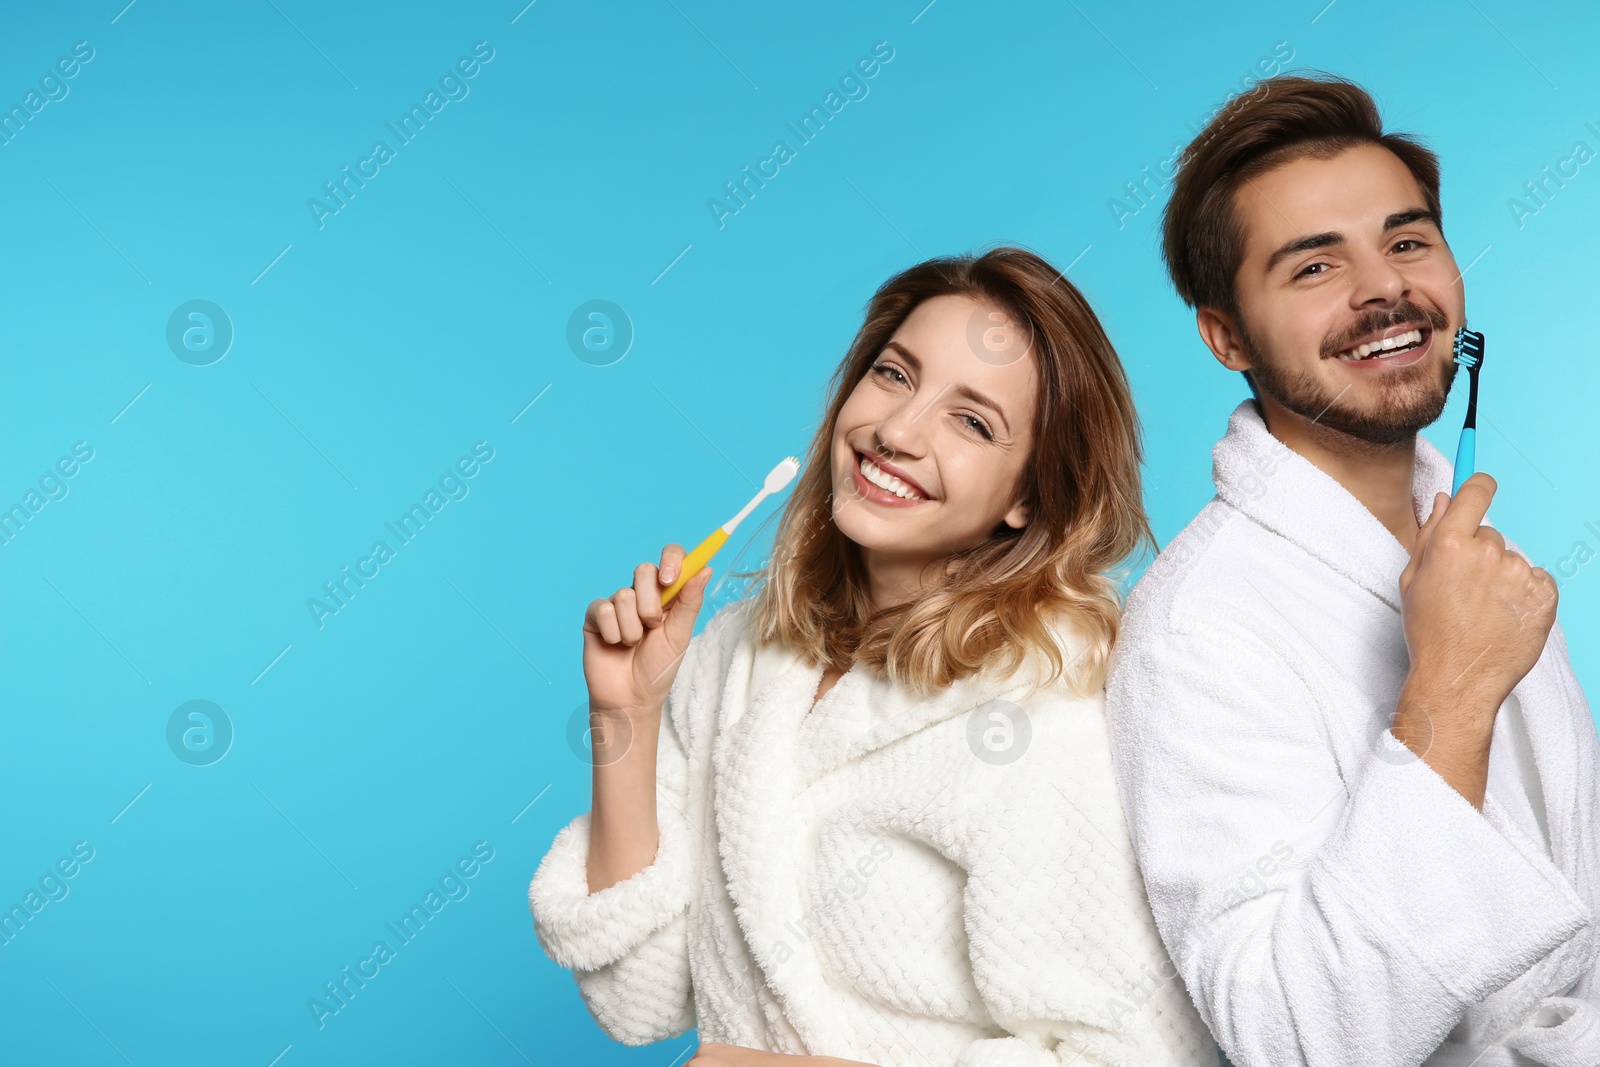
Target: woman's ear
[{"x": 1017, "y": 517}]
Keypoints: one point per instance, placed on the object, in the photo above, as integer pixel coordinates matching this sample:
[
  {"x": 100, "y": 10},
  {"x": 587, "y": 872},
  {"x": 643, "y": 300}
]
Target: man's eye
[
  {"x": 1311, "y": 268},
  {"x": 1414, "y": 243}
]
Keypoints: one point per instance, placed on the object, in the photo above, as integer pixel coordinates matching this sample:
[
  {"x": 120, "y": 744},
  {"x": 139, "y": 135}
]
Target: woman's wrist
[
  {"x": 615, "y": 733},
  {"x": 623, "y": 827}
]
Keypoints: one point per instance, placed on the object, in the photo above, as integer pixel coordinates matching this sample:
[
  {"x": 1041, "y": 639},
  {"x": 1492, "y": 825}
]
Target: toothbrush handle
[
  {"x": 693, "y": 562},
  {"x": 1464, "y": 458}
]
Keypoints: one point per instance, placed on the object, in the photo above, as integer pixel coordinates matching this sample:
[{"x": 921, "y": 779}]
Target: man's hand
[
  {"x": 1476, "y": 618},
  {"x": 714, "y": 1055}
]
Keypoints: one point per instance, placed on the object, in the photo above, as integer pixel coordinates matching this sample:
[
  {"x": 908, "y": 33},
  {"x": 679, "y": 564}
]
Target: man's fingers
[
  {"x": 1469, "y": 505},
  {"x": 1541, "y": 586},
  {"x": 1441, "y": 503}
]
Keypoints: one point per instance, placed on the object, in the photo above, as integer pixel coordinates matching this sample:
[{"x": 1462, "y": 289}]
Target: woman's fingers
[
  {"x": 623, "y": 617},
  {"x": 625, "y": 603},
  {"x": 647, "y": 594},
  {"x": 601, "y": 618},
  {"x": 671, "y": 562}
]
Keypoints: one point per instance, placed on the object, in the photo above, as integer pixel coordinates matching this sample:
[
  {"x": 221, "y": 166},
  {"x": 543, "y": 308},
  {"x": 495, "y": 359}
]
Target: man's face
[{"x": 1342, "y": 256}]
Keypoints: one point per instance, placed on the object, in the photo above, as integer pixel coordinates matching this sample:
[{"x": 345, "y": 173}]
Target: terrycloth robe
[
  {"x": 1328, "y": 897},
  {"x": 902, "y": 881}
]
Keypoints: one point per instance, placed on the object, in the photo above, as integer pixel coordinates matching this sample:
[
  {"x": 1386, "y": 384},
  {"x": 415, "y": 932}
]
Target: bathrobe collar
[{"x": 1289, "y": 495}]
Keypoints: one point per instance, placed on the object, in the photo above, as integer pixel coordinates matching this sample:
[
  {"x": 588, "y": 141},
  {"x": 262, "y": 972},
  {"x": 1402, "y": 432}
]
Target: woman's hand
[
  {"x": 713, "y": 1055},
  {"x": 632, "y": 647},
  {"x": 631, "y": 652}
]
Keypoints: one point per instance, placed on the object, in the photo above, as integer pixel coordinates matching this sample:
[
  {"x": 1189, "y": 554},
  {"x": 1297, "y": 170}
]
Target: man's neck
[{"x": 1379, "y": 476}]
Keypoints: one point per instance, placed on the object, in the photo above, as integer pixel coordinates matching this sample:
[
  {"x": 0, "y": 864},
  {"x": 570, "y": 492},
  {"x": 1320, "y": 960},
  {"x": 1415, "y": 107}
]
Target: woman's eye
[{"x": 972, "y": 422}]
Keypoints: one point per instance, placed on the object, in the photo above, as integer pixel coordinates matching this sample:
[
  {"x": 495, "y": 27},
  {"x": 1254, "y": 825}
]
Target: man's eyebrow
[
  {"x": 1325, "y": 240},
  {"x": 964, "y": 390},
  {"x": 1408, "y": 216},
  {"x": 1304, "y": 244}
]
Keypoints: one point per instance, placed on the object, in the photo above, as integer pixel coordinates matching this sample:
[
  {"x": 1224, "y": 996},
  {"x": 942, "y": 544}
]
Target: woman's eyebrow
[{"x": 964, "y": 390}]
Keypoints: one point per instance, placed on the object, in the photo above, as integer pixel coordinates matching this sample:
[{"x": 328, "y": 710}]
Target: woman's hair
[
  {"x": 1002, "y": 597},
  {"x": 1280, "y": 120}
]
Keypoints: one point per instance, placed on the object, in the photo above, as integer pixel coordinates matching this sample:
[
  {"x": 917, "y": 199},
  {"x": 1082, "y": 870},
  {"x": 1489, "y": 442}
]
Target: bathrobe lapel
[
  {"x": 1283, "y": 491},
  {"x": 759, "y": 769},
  {"x": 767, "y": 692}
]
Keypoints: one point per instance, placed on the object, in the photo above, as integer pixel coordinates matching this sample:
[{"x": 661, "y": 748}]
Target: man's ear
[{"x": 1219, "y": 330}]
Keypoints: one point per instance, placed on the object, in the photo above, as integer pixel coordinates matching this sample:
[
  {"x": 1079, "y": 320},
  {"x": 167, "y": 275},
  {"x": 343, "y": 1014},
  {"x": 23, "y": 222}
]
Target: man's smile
[{"x": 1396, "y": 346}]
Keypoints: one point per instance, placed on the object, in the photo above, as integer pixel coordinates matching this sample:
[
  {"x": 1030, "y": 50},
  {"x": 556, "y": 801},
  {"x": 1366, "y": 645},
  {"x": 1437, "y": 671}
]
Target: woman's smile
[{"x": 876, "y": 485}]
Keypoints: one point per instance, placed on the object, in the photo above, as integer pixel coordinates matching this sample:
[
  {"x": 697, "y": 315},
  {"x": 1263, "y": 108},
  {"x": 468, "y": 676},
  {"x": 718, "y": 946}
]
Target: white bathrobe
[
  {"x": 873, "y": 880},
  {"x": 1327, "y": 897}
]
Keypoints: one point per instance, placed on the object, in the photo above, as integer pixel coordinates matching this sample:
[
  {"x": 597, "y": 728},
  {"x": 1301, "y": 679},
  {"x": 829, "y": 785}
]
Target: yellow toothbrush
[{"x": 777, "y": 478}]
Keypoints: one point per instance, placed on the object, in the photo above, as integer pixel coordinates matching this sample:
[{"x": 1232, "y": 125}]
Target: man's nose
[{"x": 1377, "y": 281}]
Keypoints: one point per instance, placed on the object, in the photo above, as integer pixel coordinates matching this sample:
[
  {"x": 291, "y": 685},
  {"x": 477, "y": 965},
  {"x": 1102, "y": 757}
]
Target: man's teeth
[
  {"x": 1388, "y": 344},
  {"x": 884, "y": 480}
]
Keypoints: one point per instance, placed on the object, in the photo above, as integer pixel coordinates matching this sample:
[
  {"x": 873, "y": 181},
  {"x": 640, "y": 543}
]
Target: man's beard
[{"x": 1404, "y": 404}]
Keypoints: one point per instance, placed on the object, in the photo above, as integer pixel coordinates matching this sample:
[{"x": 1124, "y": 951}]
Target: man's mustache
[{"x": 1371, "y": 321}]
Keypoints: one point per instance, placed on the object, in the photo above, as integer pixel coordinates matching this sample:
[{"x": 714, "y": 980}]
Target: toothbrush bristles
[
  {"x": 781, "y": 475},
  {"x": 1468, "y": 347}
]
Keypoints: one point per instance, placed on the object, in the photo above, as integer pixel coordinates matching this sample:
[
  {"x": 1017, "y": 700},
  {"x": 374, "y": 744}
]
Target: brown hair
[
  {"x": 1280, "y": 120},
  {"x": 1000, "y": 597}
]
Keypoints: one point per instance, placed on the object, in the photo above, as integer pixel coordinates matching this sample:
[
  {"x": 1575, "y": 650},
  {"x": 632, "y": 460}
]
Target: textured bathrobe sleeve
[
  {"x": 1316, "y": 920},
  {"x": 1064, "y": 950},
  {"x": 627, "y": 944}
]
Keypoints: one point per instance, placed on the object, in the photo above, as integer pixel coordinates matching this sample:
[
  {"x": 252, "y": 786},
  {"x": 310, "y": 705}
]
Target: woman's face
[{"x": 929, "y": 449}]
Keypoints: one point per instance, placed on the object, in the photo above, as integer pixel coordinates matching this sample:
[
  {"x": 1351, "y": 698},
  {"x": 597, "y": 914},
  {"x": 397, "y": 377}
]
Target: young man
[{"x": 1357, "y": 767}]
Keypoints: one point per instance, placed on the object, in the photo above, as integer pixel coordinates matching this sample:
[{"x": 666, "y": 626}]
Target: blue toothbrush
[{"x": 1468, "y": 353}]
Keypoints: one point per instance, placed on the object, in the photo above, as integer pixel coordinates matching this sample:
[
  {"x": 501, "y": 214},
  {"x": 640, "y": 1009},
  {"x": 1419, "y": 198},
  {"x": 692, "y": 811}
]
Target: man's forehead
[{"x": 1352, "y": 193}]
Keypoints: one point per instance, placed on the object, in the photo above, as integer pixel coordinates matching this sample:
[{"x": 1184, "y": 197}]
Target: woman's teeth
[
  {"x": 1387, "y": 345},
  {"x": 888, "y": 482}
]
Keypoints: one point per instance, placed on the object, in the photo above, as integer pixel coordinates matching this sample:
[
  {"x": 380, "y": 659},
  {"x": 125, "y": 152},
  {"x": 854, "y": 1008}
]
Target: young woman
[{"x": 868, "y": 814}]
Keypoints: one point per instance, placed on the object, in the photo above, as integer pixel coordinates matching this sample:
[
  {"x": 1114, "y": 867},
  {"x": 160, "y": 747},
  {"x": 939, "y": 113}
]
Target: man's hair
[{"x": 1280, "y": 120}]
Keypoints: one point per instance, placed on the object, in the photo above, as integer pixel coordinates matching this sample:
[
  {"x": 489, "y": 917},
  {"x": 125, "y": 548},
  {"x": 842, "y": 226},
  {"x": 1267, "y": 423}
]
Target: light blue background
[{"x": 431, "y": 712}]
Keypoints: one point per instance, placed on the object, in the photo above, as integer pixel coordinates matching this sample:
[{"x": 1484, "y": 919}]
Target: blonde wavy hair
[{"x": 1006, "y": 596}]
